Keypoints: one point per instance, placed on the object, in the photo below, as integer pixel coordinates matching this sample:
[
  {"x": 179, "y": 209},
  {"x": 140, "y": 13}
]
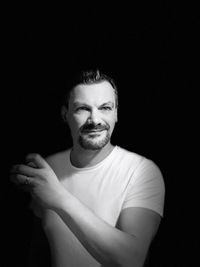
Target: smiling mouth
[{"x": 93, "y": 131}]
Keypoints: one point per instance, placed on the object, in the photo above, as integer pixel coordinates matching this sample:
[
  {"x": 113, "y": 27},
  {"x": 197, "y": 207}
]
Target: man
[{"x": 100, "y": 205}]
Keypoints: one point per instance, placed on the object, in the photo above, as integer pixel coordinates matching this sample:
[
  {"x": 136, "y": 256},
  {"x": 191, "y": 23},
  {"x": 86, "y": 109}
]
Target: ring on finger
[{"x": 26, "y": 182}]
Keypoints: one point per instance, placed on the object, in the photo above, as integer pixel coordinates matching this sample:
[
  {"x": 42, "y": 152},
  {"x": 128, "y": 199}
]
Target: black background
[{"x": 151, "y": 50}]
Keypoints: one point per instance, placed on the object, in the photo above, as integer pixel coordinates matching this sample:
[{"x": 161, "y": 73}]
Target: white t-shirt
[{"x": 123, "y": 179}]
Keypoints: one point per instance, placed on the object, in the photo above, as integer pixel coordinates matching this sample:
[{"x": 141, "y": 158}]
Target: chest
[{"x": 102, "y": 192}]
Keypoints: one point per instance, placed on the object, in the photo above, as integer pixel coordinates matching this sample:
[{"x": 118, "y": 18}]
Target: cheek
[
  {"x": 76, "y": 122},
  {"x": 111, "y": 121}
]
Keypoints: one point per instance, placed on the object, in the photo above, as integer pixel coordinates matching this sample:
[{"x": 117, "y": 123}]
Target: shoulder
[
  {"x": 146, "y": 188},
  {"x": 148, "y": 176},
  {"x": 149, "y": 171},
  {"x": 140, "y": 162},
  {"x": 128, "y": 158},
  {"x": 59, "y": 161},
  {"x": 57, "y": 158}
]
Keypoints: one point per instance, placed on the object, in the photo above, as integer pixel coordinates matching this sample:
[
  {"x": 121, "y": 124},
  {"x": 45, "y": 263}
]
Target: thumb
[{"x": 36, "y": 161}]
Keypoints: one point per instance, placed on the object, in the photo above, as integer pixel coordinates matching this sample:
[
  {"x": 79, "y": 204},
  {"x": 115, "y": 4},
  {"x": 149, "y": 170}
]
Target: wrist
[{"x": 63, "y": 198}]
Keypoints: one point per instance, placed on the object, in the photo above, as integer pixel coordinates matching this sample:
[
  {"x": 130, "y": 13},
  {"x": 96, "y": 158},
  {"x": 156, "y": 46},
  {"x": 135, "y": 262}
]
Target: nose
[{"x": 94, "y": 117}]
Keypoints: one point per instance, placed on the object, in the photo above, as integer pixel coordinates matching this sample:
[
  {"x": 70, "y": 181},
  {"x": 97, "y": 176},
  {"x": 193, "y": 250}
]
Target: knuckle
[
  {"x": 37, "y": 156},
  {"x": 32, "y": 156},
  {"x": 18, "y": 177}
]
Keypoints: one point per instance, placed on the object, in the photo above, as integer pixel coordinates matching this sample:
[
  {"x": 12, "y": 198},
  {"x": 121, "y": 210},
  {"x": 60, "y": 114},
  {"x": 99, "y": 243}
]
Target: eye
[
  {"x": 82, "y": 109},
  {"x": 106, "y": 108}
]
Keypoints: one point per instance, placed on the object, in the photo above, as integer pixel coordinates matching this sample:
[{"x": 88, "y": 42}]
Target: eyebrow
[
  {"x": 107, "y": 103},
  {"x": 75, "y": 104}
]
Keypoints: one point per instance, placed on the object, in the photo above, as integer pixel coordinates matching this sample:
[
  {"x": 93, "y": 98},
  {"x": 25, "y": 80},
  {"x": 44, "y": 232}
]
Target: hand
[{"x": 40, "y": 180}]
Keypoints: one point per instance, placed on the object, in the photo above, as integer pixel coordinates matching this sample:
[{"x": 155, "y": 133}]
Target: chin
[{"x": 92, "y": 144}]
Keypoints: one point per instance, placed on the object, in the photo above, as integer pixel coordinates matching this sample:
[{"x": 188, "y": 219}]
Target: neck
[{"x": 87, "y": 158}]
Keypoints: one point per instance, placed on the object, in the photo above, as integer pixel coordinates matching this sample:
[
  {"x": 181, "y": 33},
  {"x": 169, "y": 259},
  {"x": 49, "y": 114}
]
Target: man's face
[{"x": 92, "y": 115}]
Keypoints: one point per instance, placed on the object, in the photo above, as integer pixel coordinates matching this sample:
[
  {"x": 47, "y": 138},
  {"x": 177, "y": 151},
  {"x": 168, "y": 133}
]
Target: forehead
[{"x": 97, "y": 93}]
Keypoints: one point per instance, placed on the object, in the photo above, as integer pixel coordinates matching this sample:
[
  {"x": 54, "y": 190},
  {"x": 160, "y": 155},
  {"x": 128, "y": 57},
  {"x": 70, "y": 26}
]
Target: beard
[{"x": 94, "y": 140}]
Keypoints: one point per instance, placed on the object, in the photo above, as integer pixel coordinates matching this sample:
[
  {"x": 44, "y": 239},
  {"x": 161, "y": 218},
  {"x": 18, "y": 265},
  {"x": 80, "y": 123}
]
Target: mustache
[{"x": 93, "y": 127}]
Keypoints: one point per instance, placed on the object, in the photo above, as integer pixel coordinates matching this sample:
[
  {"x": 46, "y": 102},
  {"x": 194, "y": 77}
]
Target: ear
[
  {"x": 64, "y": 113},
  {"x": 116, "y": 114}
]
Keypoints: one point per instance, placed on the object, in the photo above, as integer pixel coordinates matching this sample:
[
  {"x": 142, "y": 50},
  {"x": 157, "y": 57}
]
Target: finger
[
  {"x": 37, "y": 160},
  {"x": 14, "y": 179},
  {"x": 21, "y": 179},
  {"x": 31, "y": 164},
  {"x": 21, "y": 186},
  {"x": 24, "y": 170}
]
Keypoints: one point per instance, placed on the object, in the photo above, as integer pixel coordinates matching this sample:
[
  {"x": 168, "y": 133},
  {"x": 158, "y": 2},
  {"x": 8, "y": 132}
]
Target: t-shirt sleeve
[{"x": 146, "y": 188}]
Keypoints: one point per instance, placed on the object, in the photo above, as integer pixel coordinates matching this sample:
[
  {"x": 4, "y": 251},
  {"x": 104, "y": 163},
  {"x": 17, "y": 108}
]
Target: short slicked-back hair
[{"x": 89, "y": 77}]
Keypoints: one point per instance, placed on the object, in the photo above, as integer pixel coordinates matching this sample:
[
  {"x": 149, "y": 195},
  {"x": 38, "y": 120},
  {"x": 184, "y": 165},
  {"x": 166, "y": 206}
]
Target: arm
[
  {"x": 126, "y": 245},
  {"x": 39, "y": 253}
]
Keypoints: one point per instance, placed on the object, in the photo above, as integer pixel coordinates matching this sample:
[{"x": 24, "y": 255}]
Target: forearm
[
  {"x": 108, "y": 245},
  {"x": 39, "y": 251}
]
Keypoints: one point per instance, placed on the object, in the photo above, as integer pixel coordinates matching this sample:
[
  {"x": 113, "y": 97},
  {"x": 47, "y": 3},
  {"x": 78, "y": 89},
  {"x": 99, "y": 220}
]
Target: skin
[
  {"x": 127, "y": 243},
  {"x": 84, "y": 105}
]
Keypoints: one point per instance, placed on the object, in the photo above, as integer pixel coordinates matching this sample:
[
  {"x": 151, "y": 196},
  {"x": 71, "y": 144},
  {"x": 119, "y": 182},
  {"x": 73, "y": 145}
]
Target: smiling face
[{"x": 92, "y": 114}]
